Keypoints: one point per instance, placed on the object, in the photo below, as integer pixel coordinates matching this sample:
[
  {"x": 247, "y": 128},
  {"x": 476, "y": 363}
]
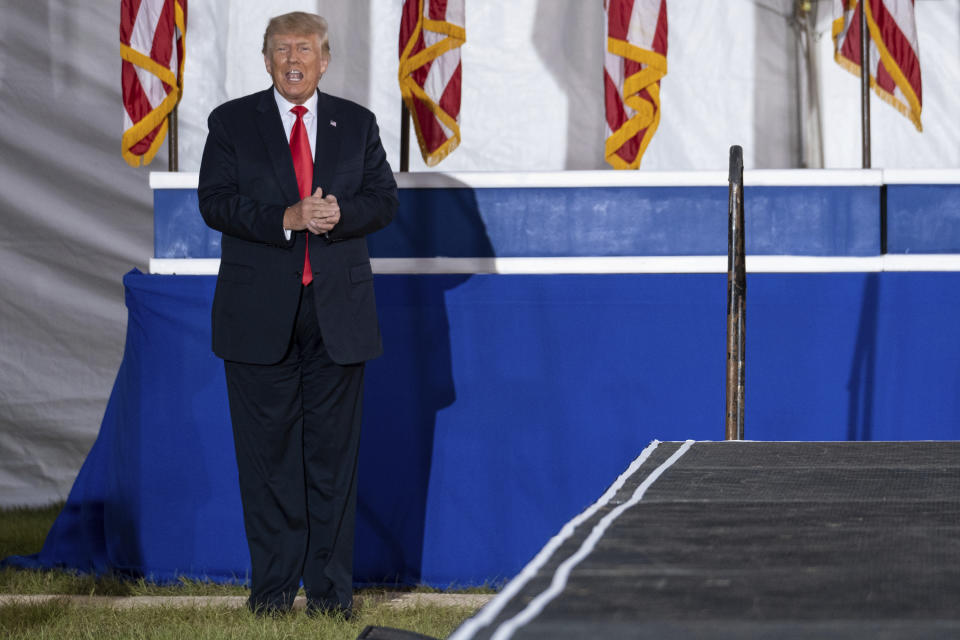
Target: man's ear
[{"x": 268, "y": 64}]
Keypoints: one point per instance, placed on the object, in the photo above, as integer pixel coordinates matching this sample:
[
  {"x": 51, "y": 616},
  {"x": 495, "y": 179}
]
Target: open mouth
[{"x": 294, "y": 76}]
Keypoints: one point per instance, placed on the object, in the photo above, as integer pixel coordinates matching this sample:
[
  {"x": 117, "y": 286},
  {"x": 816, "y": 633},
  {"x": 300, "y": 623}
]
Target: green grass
[
  {"x": 22, "y": 532},
  {"x": 64, "y": 620}
]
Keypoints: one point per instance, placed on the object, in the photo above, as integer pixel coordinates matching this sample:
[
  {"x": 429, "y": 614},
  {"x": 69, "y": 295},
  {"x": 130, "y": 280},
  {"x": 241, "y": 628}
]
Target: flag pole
[
  {"x": 864, "y": 86},
  {"x": 404, "y": 137},
  {"x": 172, "y": 142}
]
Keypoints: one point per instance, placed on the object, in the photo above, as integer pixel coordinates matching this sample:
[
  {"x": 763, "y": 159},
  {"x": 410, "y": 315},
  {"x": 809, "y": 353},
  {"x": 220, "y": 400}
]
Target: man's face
[{"x": 296, "y": 64}]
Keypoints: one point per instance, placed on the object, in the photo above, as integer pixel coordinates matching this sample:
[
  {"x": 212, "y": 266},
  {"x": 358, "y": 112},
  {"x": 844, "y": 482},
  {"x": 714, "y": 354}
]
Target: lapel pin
[{"x": 333, "y": 123}]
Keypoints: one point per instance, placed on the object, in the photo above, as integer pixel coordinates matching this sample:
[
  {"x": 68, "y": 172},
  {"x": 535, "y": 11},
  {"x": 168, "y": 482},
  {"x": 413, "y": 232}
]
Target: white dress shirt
[{"x": 289, "y": 118}]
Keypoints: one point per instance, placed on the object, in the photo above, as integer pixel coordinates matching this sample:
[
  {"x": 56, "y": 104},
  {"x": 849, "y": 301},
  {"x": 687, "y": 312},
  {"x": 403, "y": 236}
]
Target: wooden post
[
  {"x": 172, "y": 141},
  {"x": 864, "y": 85},
  {"x": 404, "y": 137},
  {"x": 736, "y": 300}
]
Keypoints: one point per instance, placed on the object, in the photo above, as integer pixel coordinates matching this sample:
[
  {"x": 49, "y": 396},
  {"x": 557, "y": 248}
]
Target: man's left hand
[{"x": 325, "y": 216}]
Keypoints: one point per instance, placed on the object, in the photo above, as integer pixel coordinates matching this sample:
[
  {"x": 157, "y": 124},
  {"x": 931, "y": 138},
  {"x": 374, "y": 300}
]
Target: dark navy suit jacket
[{"x": 246, "y": 181}]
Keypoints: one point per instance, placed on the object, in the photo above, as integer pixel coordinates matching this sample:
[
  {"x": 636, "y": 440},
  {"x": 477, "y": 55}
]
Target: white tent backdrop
[
  {"x": 532, "y": 87},
  {"x": 76, "y": 217}
]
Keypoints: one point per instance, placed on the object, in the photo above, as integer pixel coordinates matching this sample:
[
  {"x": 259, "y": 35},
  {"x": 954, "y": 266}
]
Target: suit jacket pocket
[
  {"x": 361, "y": 273},
  {"x": 233, "y": 272},
  {"x": 361, "y": 284}
]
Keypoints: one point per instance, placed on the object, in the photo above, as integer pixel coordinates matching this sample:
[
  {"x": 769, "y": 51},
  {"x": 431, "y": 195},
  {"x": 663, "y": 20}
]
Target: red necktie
[{"x": 303, "y": 165}]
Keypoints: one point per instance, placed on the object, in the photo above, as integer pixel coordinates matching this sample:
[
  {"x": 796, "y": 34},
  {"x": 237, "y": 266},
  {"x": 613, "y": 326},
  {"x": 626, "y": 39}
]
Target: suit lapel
[
  {"x": 328, "y": 144},
  {"x": 278, "y": 148}
]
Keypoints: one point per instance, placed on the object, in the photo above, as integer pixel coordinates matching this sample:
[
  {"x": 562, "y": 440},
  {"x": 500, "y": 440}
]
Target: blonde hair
[{"x": 298, "y": 22}]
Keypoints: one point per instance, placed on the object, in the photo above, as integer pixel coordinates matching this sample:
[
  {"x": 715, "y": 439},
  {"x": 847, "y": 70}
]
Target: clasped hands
[{"x": 316, "y": 213}]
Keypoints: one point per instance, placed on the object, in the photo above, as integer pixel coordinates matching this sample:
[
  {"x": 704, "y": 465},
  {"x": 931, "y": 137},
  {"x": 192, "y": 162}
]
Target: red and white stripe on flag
[
  {"x": 431, "y": 33},
  {"x": 151, "y": 45},
  {"x": 894, "y": 58},
  {"x": 636, "y": 60}
]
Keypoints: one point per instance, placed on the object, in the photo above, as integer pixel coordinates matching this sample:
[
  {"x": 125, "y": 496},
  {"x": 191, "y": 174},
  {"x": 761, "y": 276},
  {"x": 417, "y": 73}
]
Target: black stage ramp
[{"x": 752, "y": 540}]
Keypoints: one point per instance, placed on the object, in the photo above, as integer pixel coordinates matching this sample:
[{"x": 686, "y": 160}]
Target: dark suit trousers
[{"x": 296, "y": 428}]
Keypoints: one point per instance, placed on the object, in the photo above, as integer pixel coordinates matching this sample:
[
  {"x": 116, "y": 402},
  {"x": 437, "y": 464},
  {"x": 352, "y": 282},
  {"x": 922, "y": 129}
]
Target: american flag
[
  {"x": 636, "y": 59},
  {"x": 151, "y": 45},
  {"x": 431, "y": 32},
  {"x": 894, "y": 57}
]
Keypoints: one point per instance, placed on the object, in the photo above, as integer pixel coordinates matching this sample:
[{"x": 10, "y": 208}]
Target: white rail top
[{"x": 568, "y": 179}]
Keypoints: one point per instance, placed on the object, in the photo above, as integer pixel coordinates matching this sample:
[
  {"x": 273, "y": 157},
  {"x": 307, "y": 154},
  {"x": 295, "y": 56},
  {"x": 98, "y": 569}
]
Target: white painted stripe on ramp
[
  {"x": 489, "y": 613},
  {"x": 559, "y": 582}
]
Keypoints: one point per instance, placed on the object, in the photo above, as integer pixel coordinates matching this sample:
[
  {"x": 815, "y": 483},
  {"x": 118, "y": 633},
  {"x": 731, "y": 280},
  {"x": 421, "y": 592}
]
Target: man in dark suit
[{"x": 295, "y": 179}]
